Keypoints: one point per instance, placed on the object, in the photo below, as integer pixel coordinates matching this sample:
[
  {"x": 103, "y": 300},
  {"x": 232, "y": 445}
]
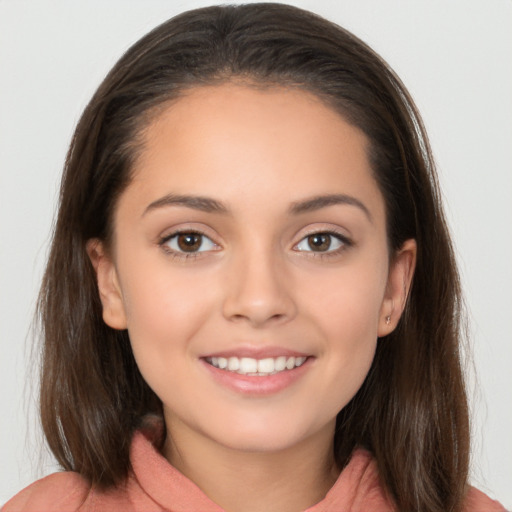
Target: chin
[{"x": 266, "y": 438}]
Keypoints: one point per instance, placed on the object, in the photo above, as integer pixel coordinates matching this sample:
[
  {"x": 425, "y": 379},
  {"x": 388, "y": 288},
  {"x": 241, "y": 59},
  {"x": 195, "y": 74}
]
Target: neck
[{"x": 289, "y": 480}]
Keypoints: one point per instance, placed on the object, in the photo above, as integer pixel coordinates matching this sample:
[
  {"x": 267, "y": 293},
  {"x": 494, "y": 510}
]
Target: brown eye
[
  {"x": 189, "y": 242},
  {"x": 322, "y": 242},
  {"x": 319, "y": 242}
]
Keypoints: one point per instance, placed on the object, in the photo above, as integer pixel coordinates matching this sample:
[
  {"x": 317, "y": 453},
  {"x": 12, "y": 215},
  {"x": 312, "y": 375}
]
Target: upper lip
[{"x": 256, "y": 352}]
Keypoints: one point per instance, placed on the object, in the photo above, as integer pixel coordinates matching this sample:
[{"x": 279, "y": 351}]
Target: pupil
[
  {"x": 189, "y": 242},
  {"x": 319, "y": 242}
]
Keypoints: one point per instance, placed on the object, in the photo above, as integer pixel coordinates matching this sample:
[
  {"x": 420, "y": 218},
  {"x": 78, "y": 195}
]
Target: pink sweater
[{"x": 157, "y": 486}]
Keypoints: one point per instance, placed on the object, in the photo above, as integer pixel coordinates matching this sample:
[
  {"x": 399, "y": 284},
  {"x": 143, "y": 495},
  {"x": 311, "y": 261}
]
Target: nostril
[
  {"x": 258, "y": 320},
  {"x": 257, "y": 300}
]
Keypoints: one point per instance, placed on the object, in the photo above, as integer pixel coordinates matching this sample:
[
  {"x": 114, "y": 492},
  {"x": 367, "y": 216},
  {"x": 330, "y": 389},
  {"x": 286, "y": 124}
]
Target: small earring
[{"x": 388, "y": 319}]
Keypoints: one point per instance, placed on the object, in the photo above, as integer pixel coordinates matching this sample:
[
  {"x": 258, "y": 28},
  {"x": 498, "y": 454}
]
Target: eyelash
[
  {"x": 183, "y": 254},
  {"x": 345, "y": 244}
]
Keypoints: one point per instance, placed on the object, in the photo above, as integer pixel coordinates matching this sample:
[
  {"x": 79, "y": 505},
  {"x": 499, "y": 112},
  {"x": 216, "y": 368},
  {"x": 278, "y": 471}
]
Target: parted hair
[{"x": 411, "y": 412}]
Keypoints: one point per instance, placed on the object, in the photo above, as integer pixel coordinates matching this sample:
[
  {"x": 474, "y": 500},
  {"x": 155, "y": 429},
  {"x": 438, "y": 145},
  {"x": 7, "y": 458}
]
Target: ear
[
  {"x": 400, "y": 276},
  {"x": 108, "y": 285}
]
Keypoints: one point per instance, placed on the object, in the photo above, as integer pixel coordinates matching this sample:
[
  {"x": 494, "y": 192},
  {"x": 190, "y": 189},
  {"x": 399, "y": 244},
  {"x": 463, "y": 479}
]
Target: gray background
[{"x": 454, "y": 56}]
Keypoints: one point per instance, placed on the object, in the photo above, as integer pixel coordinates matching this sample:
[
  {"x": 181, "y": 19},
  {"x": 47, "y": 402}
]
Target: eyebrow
[
  {"x": 319, "y": 202},
  {"x": 204, "y": 204},
  {"x": 210, "y": 205}
]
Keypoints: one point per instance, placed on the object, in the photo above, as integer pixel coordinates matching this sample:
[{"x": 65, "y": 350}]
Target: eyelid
[
  {"x": 188, "y": 227},
  {"x": 192, "y": 228},
  {"x": 327, "y": 228},
  {"x": 171, "y": 233},
  {"x": 339, "y": 234}
]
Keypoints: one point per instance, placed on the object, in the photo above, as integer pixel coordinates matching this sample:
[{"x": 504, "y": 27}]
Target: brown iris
[
  {"x": 319, "y": 242},
  {"x": 189, "y": 242}
]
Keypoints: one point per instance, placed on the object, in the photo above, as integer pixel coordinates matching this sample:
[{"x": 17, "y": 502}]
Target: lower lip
[{"x": 258, "y": 385}]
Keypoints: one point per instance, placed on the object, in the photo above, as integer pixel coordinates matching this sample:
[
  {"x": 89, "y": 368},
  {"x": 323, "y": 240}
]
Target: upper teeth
[{"x": 250, "y": 366}]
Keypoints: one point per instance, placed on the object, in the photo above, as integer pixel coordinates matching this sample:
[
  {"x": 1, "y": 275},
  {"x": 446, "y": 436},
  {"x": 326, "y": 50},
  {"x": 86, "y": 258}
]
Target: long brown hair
[{"x": 411, "y": 411}]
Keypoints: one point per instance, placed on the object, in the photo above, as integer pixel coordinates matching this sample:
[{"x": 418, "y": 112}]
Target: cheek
[
  {"x": 164, "y": 311},
  {"x": 345, "y": 307},
  {"x": 347, "y": 300}
]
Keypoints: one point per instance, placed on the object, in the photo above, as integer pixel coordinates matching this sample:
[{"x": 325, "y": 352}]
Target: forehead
[{"x": 253, "y": 144}]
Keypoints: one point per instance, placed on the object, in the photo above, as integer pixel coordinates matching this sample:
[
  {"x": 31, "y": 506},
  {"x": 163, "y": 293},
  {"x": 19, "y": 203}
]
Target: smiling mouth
[{"x": 256, "y": 367}]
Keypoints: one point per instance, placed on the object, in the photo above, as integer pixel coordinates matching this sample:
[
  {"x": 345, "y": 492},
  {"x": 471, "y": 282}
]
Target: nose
[{"x": 259, "y": 290}]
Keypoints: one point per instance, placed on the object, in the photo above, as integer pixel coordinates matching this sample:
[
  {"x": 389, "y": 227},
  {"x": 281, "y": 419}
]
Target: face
[{"x": 250, "y": 266}]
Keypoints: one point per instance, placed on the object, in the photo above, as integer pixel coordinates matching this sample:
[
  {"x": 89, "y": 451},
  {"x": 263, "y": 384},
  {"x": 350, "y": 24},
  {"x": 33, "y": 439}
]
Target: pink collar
[{"x": 356, "y": 487}]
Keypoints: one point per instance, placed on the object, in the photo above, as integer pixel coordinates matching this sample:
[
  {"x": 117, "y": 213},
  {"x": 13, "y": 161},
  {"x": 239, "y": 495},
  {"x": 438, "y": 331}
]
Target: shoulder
[
  {"x": 364, "y": 486},
  {"x": 70, "y": 492},
  {"x": 477, "y": 501},
  {"x": 60, "y": 492}
]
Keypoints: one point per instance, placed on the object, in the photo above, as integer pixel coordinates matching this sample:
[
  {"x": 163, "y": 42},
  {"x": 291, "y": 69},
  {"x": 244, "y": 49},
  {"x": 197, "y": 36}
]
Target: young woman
[{"x": 251, "y": 301}]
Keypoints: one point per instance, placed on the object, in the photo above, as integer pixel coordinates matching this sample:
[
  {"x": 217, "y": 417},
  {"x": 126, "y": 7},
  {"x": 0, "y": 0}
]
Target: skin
[{"x": 256, "y": 282}]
